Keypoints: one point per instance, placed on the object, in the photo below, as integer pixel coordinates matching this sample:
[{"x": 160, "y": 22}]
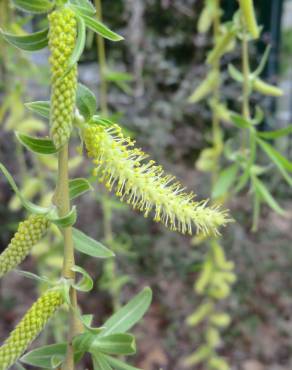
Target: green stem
[
  {"x": 102, "y": 63},
  {"x": 245, "y": 86},
  {"x": 62, "y": 201},
  {"x": 246, "y": 72},
  {"x": 216, "y": 130}
]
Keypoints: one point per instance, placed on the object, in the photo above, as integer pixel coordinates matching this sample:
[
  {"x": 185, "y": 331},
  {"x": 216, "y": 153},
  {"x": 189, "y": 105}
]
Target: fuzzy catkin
[
  {"x": 28, "y": 234},
  {"x": 62, "y": 38},
  {"x": 144, "y": 185},
  {"x": 29, "y": 328}
]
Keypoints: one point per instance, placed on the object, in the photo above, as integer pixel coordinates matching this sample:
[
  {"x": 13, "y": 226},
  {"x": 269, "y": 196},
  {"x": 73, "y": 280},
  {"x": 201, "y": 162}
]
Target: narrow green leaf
[
  {"x": 83, "y": 6},
  {"x": 275, "y": 134},
  {"x": 234, "y": 73},
  {"x": 35, "y": 6},
  {"x": 100, "y": 362},
  {"x": 80, "y": 43},
  {"x": 280, "y": 161},
  {"x": 42, "y": 356},
  {"x": 116, "y": 76},
  {"x": 81, "y": 10},
  {"x": 100, "y": 28},
  {"x": 97, "y": 120},
  {"x": 226, "y": 179},
  {"x": 87, "y": 319},
  {"x": 114, "y": 344},
  {"x": 240, "y": 121},
  {"x": 78, "y": 187},
  {"x": 32, "y": 276},
  {"x": 32, "y": 42},
  {"x": 85, "y": 101},
  {"x": 264, "y": 193},
  {"x": 31, "y": 207},
  {"x": 64, "y": 221},
  {"x": 40, "y": 107},
  {"x": 83, "y": 341},
  {"x": 119, "y": 365},
  {"x": 128, "y": 315},
  {"x": 36, "y": 145},
  {"x": 89, "y": 246},
  {"x": 86, "y": 283},
  {"x": 263, "y": 62}
]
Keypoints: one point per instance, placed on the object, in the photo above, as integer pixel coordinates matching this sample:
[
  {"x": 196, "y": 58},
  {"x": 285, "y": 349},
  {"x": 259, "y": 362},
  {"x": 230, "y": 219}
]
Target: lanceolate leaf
[
  {"x": 37, "y": 145},
  {"x": 275, "y": 134},
  {"x": 119, "y": 365},
  {"x": 65, "y": 221},
  {"x": 280, "y": 161},
  {"x": 31, "y": 42},
  {"x": 86, "y": 283},
  {"x": 100, "y": 362},
  {"x": 100, "y": 28},
  {"x": 114, "y": 344},
  {"x": 78, "y": 187},
  {"x": 80, "y": 43},
  {"x": 83, "y": 7},
  {"x": 34, "y": 6},
  {"x": 42, "y": 356},
  {"x": 85, "y": 101},
  {"x": 266, "y": 196},
  {"x": 240, "y": 121},
  {"x": 89, "y": 246},
  {"x": 226, "y": 178},
  {"x": 40, "y": 107},
  {"x": 128, "y": 315},
  {"x": 31, "y": 207}
]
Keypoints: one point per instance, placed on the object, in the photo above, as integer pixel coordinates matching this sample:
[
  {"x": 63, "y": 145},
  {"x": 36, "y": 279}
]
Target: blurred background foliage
[{"x": 165, "y": 56}]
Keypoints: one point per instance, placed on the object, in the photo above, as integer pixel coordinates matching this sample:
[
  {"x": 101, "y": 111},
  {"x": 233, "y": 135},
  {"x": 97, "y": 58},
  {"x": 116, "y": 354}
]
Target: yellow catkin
[
  {"x": 29, "y": 328},
  {"x": 62, "y": 38},
  {"x": 144, "y": 185},
  {"x": 28, "y": 234}
]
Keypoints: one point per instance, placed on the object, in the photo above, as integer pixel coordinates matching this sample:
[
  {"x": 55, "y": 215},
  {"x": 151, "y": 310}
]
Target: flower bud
[
  {"x": 62, "y": 37},
  {"x": 29, "y": 232},
  {"x": 29, "y": 328}
]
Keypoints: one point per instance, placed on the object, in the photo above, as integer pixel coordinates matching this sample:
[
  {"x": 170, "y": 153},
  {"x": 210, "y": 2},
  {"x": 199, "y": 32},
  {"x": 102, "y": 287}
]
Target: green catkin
[
  {"x": 29, "y": 232},
  {"x": 206, "y": 87},
  {"x": 266, "y": 89},
  {"x": 248, "y": 13},
  {"x": 144, "y": 185},
  {"x": 62, "y": 38},
  {"x": 29, "y": 327}
]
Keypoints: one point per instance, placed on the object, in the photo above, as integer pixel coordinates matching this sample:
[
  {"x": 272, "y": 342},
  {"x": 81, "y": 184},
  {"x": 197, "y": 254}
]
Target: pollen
[{"x": 144, "y": 185}]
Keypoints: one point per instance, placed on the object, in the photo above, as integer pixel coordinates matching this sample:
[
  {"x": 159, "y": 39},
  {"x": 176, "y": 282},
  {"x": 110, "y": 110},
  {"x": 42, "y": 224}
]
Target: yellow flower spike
[
  {"x": 62, "y": 38},
  {"x": 145, "y": 186},
  {"x": 248, "y": 13},
  {"x": 28, "y": 234},
  {"x": 29, "y": 327}
]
